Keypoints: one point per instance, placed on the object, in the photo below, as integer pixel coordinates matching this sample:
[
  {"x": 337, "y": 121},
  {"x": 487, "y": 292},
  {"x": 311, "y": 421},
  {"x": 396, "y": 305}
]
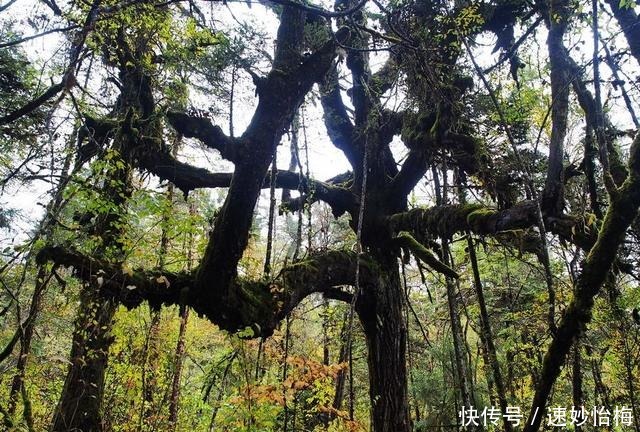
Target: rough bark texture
[
  {"x": 374, "y": 194},
  {"x": 280, "y": 95},
  {"x": 380, "y": 312},
  {"x": 80, "y": 404},
  {"x": 629, "y": 23},
  {"x": 553, "y": 194}
]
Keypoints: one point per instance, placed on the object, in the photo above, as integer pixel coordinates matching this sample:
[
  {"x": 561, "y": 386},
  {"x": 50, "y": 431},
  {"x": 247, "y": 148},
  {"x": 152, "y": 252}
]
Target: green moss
[
  {"x": 478, "y": 218},
  {"x": 256, "y": 303},
  {"x": 451, "y": 219},
  {"x": 476, "y": 215},
  {"x": 417, "y": 128},
  {"x": 405, "y": 239}
]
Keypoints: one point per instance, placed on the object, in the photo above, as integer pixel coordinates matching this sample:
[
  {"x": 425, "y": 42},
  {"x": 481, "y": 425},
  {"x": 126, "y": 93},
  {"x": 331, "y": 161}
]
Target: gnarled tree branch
[
  {"x": 201, "y": 128},
  {"x": 260, "y": 305}
]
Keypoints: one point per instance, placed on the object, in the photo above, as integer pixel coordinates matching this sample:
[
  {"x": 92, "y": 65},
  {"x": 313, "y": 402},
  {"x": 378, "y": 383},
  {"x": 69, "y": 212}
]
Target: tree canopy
[{"x": 444, "y": 194}]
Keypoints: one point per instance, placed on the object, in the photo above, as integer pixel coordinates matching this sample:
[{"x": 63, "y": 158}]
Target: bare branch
[{"x": 35, "y": 36}]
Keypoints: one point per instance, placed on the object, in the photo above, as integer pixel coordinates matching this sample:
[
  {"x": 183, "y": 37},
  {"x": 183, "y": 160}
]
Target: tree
[{"x": 430, "y": 59}]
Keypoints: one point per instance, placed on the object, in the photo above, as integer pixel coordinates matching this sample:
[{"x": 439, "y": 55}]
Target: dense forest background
[{"x": 288, "y": 216}]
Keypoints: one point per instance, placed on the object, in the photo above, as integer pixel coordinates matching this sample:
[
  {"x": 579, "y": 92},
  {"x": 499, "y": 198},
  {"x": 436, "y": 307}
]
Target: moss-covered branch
[
  {"x": 452, "y": 219},
  {"x": 129, "y": 287},
  {"x": 202, "y": 129},
  {"x": 405, "y": 239},
  {"x": 259, "y": 305}
]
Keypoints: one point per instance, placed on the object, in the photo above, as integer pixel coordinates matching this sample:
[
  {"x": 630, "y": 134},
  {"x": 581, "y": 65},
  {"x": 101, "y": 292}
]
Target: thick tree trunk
[
  {"x": 80, "y": 404},
  {"x": 553, "y": 194},
  {"x": 380, "y": 311},
  {"x": 79, "y": 407}
]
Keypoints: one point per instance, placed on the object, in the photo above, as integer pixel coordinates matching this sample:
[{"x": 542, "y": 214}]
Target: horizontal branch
[
  {"x": 201, "y": 128},
  {"x": 445, "y": 221},
  {"x": 259, "y": 305},
  {"x": 334, "y": 191},
  {"x": 129, "y": 288},
  {"x": 187, "y": 177}
]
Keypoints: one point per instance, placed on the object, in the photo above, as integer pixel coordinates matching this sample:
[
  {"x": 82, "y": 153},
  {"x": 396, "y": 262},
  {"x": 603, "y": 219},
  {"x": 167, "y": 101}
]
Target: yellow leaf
[{"x": 163, "y": 280}]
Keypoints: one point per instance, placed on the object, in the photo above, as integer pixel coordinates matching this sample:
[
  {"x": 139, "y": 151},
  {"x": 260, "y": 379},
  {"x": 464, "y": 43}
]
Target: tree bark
[
  {"x": 553, "y": 194},
  {"x": 174, "y": 399},
  {"x": 79, "y": 407},
  {"x": 80, "y": 404},
  {"x": 629, "y": 23},
  {"x": 485, "y": 326},
  {"x": 380, "y": 312}
]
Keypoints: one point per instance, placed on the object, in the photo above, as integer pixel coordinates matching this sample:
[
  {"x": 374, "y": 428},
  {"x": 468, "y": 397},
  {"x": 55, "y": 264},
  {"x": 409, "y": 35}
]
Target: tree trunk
[
  {"x": 342, "y": 374},
  {"x": 79, "y": 407},
  {"x": 174, "y": 400},
  {"x": 485, "y": 325},
  {"x": 80, "y": 404},
  {"x": 150, "y": 373},
  {"x": 380, "y": 311},
  {"x": 458, "y": 338},
  {"x": 27, "y": 331},
  {"x": 578, "y": 396}
]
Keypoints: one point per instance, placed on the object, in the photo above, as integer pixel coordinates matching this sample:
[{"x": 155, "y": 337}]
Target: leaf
[{"x": 163, "y": 280}]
